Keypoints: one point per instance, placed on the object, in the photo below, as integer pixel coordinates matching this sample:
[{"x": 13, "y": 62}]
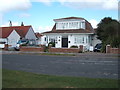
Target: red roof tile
[
  {"x": 38, "y": 35},
  {"x": 70, "y": 31},
  {"x": 6, "y": 31}
]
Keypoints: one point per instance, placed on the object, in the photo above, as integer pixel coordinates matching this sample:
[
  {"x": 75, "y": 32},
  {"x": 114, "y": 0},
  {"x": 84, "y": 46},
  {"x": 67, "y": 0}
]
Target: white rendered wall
[
  {"x": 30, "y": 34},
  {"x": 57, "y": 37},
  {"x": 3, "y": 40},
  {"x": 38, "y": 41},
  {"x": 71, "y": 38},
  {"x": 59, "y": 42},
  {"x": 13, "y": 38},
  {"x": 43, "y": 42}
]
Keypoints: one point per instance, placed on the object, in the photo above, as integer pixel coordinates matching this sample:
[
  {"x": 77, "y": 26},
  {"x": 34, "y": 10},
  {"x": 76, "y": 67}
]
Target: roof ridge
[
  {"x": 15, "y": 26},
  {"x": 70, "y": 18}
]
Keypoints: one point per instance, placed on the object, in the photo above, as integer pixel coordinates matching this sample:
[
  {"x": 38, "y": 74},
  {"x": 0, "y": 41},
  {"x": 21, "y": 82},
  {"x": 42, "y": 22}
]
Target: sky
[{"x": 40, "y": 13}]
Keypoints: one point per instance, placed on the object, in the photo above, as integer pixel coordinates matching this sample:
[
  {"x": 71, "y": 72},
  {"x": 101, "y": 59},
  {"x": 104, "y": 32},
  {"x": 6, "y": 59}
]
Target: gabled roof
[
  {"x": 70, "y": 18},
  {"x": 38, "y": 35},
  {"x": 21, "y": 30}
]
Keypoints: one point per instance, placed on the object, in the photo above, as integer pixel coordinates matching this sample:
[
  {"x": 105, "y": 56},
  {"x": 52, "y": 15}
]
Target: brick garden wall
[
  {"x": 66, "y": 50},
  {"x": 6, "y": 47},
  {"x": 31, "y": 48},
  {"x": 109, "y": 49},
  {"x": 42, "y": 48},
  {"x": 115, "y": 50}
]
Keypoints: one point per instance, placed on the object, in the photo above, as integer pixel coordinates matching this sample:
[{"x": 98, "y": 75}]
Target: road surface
[{"x": 79, "y": 66}]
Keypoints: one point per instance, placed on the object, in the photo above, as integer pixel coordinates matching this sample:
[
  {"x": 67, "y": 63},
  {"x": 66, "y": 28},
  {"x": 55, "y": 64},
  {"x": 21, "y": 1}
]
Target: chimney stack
[{"x": 10, "y": 23}]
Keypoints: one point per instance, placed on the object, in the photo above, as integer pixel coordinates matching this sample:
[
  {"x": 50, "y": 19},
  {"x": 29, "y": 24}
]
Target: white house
[
  {"x": 39, "y": 38},
  {"x": 11, "y": 35},
  {"x": 70, "y": 31}
]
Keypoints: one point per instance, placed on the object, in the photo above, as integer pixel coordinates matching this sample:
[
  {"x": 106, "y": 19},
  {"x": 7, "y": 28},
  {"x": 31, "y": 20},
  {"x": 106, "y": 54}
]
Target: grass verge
[
  {"x": 20, "y": 79},
  {"x": 53, "y": 54},
  {"x": 57, "y": 54}
]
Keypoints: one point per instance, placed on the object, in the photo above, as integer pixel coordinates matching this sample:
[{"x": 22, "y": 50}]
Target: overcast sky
[{"x": 40, "y": 13}]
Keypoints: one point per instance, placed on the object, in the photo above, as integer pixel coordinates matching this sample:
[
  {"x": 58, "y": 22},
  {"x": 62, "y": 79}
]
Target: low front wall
[
  {"x": 115, "y": 50},
  {"x": 109, "y": 49},
  {"x": 6, "y": 47},
  {"x": 35, "y": 49},
  {"x": 66, "y": 50}
]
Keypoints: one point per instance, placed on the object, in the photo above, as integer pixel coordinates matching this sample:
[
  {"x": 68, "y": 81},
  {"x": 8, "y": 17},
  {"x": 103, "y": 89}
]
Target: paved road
[{"x": 83, "y": 66}]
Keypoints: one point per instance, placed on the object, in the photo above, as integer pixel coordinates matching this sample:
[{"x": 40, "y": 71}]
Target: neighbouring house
[
  {"x": 11, "y": 35},
  {"x": 39, "y": 38},
  {"x": 70, "y": 31}
]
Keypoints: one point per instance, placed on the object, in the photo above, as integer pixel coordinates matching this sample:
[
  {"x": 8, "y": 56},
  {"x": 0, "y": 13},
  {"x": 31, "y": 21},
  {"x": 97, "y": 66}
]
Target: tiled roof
[
  {"x": 21, "y": 30},
  {"x": 70, "y": 31},
  {"x": 38, "y": 35}
]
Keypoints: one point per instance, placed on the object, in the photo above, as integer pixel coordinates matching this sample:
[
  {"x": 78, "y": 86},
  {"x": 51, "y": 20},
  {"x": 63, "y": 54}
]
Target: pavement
[
  {"x": 93, "y": 65},
  {"x": 76, "y": 54}
]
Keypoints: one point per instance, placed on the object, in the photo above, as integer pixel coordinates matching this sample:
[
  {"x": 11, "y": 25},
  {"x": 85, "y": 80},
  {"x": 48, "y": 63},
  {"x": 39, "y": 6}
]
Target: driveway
[{"x": 97, "y": 66}]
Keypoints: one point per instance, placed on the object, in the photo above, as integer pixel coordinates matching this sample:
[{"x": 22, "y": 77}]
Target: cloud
[
  {"x": 8, "y": 5},
  {"x": 46, "y": 2},
  {"x": 94, "y": 23},
  {"x": 94, "y": 4},
  {"x": 83, "y": 4},
  {"x": 24, "y": 15},
  {"x": 41, "y": 29}
]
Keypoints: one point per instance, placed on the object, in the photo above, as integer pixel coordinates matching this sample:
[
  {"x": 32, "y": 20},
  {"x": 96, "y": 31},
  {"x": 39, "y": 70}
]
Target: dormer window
[
  {"x": 63, "y": 26},
  {"x": 83, "y": 25},
  {"x": 70, "y": 24}
]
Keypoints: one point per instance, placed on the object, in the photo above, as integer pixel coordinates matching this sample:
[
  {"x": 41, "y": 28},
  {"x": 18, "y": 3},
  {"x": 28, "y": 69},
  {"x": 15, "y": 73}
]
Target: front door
[{"x": 64, "y": 42}]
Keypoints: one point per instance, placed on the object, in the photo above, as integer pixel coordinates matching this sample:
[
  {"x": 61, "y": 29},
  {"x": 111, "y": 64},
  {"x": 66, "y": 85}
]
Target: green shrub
[
  {"x": 103, "y": 48},
  {"x": 52, "y": 43},
  {"x": 24, "y": 45},
  {"x": 80, "y": 52},
  {"x": 46, "y": 49},
  {"x": 74, "y": 46}
]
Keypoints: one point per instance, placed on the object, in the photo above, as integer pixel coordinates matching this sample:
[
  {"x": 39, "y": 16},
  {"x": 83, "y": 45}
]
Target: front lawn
[{"x": 20, "y": 79}]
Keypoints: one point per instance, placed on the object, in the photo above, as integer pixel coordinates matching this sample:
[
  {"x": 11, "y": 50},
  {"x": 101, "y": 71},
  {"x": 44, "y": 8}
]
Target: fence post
[
  {"x": 81, "y": 48},
  {"x": 108, "y": 47}
]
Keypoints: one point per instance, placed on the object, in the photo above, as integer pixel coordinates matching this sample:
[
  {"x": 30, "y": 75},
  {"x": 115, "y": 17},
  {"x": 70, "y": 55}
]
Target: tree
[
  {"x": 108, "y": 32},
  {"x": 22, "y": 24}
]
